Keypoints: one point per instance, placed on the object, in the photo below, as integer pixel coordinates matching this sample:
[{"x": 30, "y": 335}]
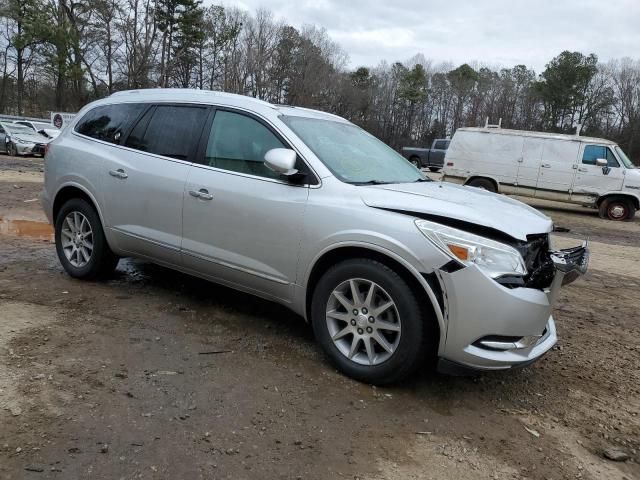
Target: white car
[
  {"x": 44, "y": 128},
  {"x": 20, "y": 140},
  {"x": 567, "y": 168}
]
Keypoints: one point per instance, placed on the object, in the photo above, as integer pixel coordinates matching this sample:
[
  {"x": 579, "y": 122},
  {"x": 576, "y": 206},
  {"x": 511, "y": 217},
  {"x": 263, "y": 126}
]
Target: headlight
[
  {"x": 21, "y": 141},
  {"x": 494, "y": 258}
]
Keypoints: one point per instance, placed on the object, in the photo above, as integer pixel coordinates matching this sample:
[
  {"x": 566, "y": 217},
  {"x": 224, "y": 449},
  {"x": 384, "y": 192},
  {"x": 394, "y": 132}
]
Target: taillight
[{"x": 449, "y": 164}]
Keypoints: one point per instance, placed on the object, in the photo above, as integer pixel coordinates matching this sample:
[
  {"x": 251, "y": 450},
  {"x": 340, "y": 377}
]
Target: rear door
[
  {"x": 557, "y": 169},
  {"x": 592, "y": 180},
  {"x": 144, "y": 180},
  {"x": 242, "y": 221}
]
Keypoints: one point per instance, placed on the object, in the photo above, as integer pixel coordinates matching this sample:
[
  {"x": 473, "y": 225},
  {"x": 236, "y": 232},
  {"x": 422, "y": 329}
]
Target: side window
[
  {"x": 169, "y": 130},
  {"x": 594, "y": 152},
  {"x": 108, "y": 122},
  {"x": 441, "y": 145},
  {"x": 238, "y": 143}
]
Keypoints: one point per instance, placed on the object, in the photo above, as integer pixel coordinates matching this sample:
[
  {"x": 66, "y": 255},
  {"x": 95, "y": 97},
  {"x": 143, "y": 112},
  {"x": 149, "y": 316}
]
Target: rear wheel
[
  {"x": 80, "y": 242},
  {"x": 369, "y": 322},
  {"x": 415, "y": 161},
  {"x": 483, "y": 183},
  {"x": 617, "y": 209}
]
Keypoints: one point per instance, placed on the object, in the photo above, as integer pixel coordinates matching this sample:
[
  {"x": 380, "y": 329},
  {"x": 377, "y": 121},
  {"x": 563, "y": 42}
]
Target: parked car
[
  {"x": 431, "y": 158},
  {"x": 20, "y": 140},
  {"x": 306, "y": 209},
  {"x": 567, "y": 168},
  {"x": 46, "y": 129}
]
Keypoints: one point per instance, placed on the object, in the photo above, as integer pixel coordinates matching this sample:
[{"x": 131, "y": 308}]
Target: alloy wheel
[
  {"x": 76, "y": 237},
  {"x": 363, "y": 321}
]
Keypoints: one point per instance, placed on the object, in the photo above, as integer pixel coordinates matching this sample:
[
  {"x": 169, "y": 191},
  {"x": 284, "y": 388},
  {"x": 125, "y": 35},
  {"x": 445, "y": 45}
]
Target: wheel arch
[
  {"x": 69, "y": 191},
  {"x": 634, "y": 199},
  {"x": 415, "y": 279}
]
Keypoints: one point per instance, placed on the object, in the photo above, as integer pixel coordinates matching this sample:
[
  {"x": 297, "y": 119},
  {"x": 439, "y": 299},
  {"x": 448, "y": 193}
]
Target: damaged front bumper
[{"x": 491, "y": 326}]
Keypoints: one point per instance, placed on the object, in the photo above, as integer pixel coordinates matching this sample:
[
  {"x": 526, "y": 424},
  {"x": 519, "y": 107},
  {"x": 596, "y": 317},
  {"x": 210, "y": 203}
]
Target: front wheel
[
  {"x": 369, "y": 322},
  {"x": 617, "y": 209},
  {"x": 12, "y": 150},
  {"x": 415, "y": 161},
  {"x": 80, "y": 242}
]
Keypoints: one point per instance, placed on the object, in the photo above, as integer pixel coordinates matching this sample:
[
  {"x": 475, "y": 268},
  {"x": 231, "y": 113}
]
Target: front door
[
  {"x": 144, "y": 180},
  {"x": 242, "y": 222},
  {"x": 592, "y": 180}
]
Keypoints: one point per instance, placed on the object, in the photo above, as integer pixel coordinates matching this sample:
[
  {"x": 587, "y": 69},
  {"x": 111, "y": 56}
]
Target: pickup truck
[{"x": 431, "y": 158}]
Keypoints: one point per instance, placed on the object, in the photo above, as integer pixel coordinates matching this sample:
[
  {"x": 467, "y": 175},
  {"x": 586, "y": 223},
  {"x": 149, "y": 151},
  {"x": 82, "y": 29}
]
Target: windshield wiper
[{"x": 370, "y": 182}]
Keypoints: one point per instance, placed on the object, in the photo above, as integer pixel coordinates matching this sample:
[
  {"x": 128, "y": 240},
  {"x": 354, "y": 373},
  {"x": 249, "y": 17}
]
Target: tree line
[{"x": 57, "y": 55}]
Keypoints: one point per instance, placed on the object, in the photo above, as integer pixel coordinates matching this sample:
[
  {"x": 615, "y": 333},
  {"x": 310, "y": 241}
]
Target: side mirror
[
  {"x": 281, "y": 160},
  {"x": 601, "y": 162}
]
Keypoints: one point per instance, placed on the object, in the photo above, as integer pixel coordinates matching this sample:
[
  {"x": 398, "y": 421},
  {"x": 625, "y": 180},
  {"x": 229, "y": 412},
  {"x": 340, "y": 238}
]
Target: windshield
[
  {"x": 42, "y": 126},
  {"x": 627, "y": 163},
  {"x": 353, "y": 155},
  {"x": 19, "y": 129}
]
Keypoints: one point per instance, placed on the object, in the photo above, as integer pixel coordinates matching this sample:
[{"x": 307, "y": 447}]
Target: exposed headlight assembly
[{"x": 494, "y": 258}]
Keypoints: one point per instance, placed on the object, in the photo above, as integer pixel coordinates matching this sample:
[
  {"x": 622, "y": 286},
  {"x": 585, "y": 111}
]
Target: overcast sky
[{"x": 491, "y": 32}]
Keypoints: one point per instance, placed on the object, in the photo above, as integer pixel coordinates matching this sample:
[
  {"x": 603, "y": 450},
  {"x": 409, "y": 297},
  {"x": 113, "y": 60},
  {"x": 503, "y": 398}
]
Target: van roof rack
[{"x": 488, "y": 125}]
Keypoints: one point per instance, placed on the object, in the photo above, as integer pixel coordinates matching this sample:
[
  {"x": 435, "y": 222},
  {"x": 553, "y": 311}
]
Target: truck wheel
[
  {"x": 617, "y": 209},
  {"x": 483, "y": 183},
  {"x": 370, "y": 323},
  {"x": 415, "y": 161}
]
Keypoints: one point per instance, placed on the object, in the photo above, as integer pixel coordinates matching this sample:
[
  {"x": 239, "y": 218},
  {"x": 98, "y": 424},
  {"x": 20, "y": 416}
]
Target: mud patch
[
  {"x": 26, "y": 228},
  {"x": 15, "y": 318}
]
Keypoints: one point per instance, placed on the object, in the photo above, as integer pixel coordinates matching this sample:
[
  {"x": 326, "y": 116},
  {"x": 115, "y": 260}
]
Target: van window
[
  {"x": 169, "y": 130},
  {"x": 594, "y": 152},
  {"x": 108, "y": 122},
  {"x": 238, "y": 143}
]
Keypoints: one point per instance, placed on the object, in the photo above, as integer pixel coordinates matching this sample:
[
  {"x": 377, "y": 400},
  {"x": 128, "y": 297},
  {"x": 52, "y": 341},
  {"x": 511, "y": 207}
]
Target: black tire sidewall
[
  {"x": 12, "y": 150},
  {"x": 410, "y": 351},
  {"x": 101, "y": 256},
  {"x": 483, "y": 183},
  {"x": 627, "y": 204}
]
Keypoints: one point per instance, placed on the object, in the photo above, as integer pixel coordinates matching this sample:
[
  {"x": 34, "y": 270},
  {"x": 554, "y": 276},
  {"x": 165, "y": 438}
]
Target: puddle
[{"x": 26, "y": 228}]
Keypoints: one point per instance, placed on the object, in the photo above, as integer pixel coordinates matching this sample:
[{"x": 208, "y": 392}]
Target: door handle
[
  {"x": 119, "y": 173},
  {"x": 202, "y": 194},
  {"x": 546, "y": 165},
  {"x": 582, "y": 169}
]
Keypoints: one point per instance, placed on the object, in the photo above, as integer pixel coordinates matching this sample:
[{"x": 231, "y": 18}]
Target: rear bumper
[{"x": 492, "y": 327}]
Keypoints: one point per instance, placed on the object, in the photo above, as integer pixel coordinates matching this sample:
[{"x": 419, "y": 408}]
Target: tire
[
  {"x": 83, "y": 218},
  {"x": 435, "y": 169},
  {"x": 414, "y": 339},
  {"x": 12, "y": 150},
  {"x": 617, "y": 209},
  {"x": 415, "y": 161},
  {"x": 483, "y": 183}
]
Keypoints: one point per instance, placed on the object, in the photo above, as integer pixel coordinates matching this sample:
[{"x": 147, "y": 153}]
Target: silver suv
[{"x": 304, "y": 208}]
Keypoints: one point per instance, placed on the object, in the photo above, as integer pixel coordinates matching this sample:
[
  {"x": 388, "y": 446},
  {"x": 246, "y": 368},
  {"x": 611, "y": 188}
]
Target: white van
[{"x": 567, "y": 168}]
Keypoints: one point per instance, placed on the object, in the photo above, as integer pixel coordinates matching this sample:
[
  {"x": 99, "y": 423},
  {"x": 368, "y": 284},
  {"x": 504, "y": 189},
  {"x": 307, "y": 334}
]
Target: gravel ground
[{"x": 154, "y": 374}]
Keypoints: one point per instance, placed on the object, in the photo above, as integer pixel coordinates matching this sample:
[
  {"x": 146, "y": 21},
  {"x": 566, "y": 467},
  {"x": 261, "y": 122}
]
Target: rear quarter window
[{"x": 109, "y": 122}]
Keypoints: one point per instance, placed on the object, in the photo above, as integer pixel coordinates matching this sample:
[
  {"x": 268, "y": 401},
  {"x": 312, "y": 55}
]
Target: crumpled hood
[
  {"x": 468, "y": 204},
  {"x": 31, "y": 138}
]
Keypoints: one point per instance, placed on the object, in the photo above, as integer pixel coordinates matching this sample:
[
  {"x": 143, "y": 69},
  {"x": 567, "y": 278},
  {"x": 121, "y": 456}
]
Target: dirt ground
[{"x": 154, "y": 374}]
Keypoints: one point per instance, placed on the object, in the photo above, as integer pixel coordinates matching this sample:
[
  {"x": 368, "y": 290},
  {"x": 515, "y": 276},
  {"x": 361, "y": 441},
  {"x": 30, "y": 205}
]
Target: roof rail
[{"x": 498, "y": 125}]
